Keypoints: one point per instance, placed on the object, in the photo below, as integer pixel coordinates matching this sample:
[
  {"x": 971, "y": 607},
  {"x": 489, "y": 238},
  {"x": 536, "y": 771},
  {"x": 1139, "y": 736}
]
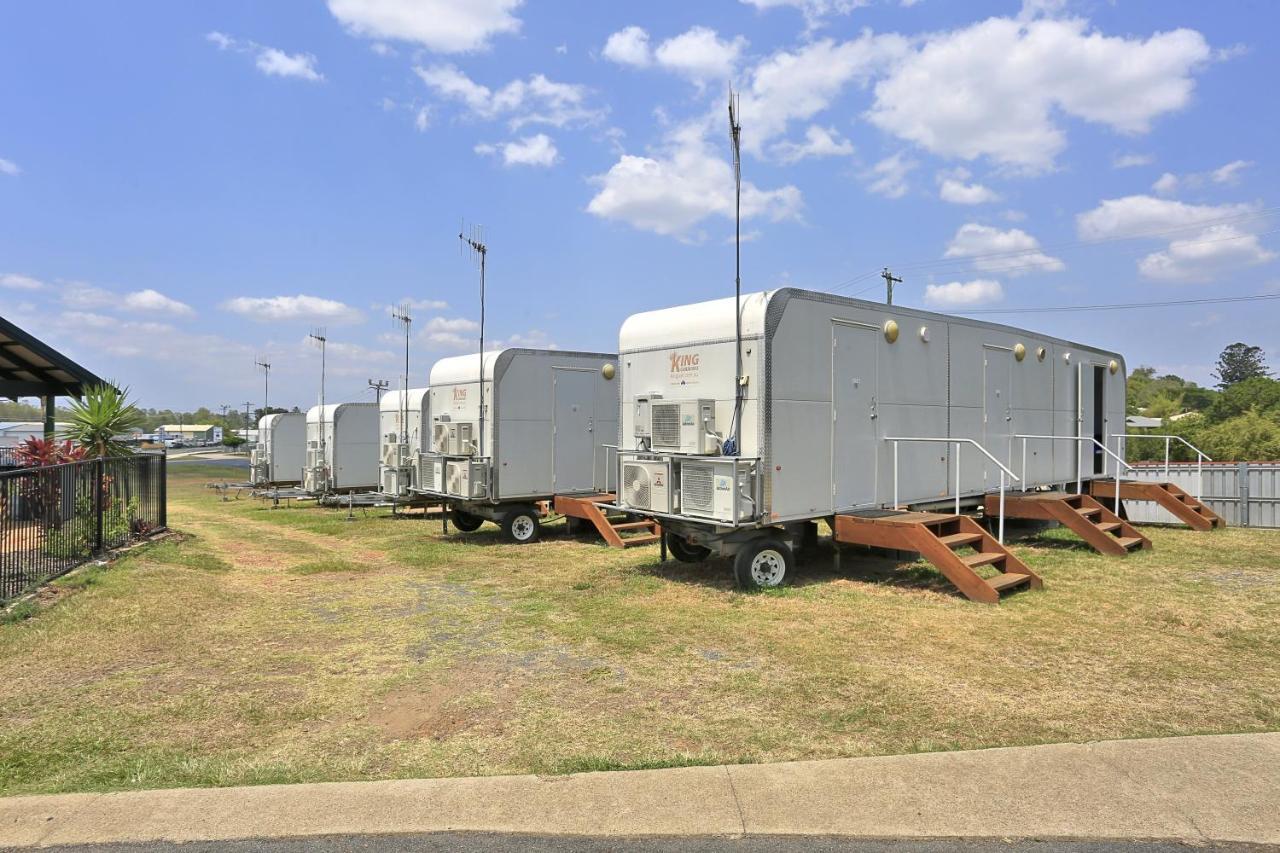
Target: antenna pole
[
  {"x": 319, "y": 337},
  {"x": 266, "y": 384},
  {"x": 481, "y": 250},
  {"x": 735, "y": 137},
  {"x": 889, "y": 281},
  {"x": 401, "y": 315}
]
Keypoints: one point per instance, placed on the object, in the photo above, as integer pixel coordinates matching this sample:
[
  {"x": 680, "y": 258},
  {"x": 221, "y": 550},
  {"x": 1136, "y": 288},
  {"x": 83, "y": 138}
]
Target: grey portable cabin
[
  {"x": 829, "y": 381},
  {"x": 281, "y": 452},
  {"x": 342, "y": 448},
  {"x": 404, "y": 432},
  {"x": 549, "y": 420}
]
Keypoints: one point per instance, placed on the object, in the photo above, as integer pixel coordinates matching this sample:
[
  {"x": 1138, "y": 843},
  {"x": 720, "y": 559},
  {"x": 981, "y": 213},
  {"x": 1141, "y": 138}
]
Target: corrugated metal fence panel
[{"x": 1251, "y": 500}]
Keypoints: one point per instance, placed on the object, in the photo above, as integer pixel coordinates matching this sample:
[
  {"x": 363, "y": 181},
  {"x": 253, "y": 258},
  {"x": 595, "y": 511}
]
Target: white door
[
  {"x": 573, "y": 425},
  {"x": 854, "y": 428},
  {"x": 997, "y": 409}
]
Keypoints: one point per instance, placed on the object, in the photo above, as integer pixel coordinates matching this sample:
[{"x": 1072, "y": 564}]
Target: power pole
[
  {"x": 889, "y": 281},
  {"x": 247, "y": 404},
  {"x": 378, "y": 386},
  {"x": 266, "y": 383}
]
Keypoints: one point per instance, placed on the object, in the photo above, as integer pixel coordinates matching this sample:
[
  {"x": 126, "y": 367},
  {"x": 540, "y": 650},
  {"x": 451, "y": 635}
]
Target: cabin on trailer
[
  {"x": 517, "y": 427},
  {"x": 825, "y": 405},
  {"x": 404, "y": 431},
  {"x": 281, "y": 450},
  {"x": 342, "y": 448}
]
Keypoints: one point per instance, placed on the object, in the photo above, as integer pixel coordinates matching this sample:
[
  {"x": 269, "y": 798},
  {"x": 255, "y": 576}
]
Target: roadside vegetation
[{"x": 289, "y": 645}]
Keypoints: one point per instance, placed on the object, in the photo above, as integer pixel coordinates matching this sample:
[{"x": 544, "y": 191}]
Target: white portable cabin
[
  {"x": 549, "y": 417},
  {"x": 404, "y": 431},
  {"x": 342, "y": 448},
  {"x": 829, "y": 382},
  {"x": 281, "y": 451}
]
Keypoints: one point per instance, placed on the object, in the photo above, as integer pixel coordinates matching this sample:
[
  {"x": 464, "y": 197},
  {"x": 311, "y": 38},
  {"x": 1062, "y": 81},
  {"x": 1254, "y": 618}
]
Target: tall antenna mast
[
  {"x": 318, "y": 336},
  {"x": 735, "y": 139},
  {"x": 266, "y": 384},
  {"x": 479, "y": 251},
  {"x": 401, "y": 315}
]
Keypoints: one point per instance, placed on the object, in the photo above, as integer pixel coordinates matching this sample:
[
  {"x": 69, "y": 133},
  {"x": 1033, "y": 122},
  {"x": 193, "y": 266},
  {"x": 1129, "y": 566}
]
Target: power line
[{"x": 1219, "y": 300}]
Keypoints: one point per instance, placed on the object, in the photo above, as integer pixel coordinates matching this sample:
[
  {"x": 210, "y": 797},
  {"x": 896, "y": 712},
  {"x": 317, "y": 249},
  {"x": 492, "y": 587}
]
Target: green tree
[
  {"x": 1258, "y": 393},
  {"x": 1239, "y": 362},
  {"x": 97, "y": 420},
  {"x": 1247, "y": 437}
]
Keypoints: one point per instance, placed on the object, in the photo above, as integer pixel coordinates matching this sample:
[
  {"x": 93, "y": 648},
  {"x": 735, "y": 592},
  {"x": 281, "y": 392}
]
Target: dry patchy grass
[{"x": 291, "y": 645}]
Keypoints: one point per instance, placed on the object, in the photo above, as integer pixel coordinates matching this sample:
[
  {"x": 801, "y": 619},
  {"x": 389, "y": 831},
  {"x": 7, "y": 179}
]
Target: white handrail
[
  {"x": 1079, "y": 459},
  {"x": 957, "y": 442},
  {"x": 1201, "y": 456}
]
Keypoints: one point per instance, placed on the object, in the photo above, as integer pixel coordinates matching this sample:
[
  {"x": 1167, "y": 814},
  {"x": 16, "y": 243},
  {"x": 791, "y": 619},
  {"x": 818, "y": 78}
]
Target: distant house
[
  {"x": 31, "y": 368},
  {"x": 13, "y": 433},
  {"x": 1143, "y": 422},
  {"x": 195, "y": 433}
]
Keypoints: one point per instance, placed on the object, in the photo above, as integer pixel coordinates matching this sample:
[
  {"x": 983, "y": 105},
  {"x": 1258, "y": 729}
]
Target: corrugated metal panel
[{"x": 1245, "y": 493}]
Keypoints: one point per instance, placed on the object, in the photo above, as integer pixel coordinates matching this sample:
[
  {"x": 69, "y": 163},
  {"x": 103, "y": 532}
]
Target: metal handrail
[
  {"x": 1201, "y": 457},
  {"x": 1004, "y": 471},
  {"x": 1079, "y": 459},
  {"x": 607, "y": 467}
]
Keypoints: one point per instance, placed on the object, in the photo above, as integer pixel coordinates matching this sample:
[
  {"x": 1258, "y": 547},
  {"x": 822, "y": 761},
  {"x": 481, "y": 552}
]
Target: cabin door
[
  {"x": 573, "y": 428},
  {"x": 1091, "y": 405},
  {"x": 855, "y": 433},
  {"x": 997, "y": 411}
]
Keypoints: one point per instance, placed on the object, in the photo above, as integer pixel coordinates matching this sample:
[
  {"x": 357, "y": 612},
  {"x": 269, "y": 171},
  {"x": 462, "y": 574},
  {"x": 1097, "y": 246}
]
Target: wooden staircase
[
  {"x": 1101, "y": 528},
  {"x": 955, "y": 544},
  {"x": 618, "y": 531},
  {"x": 1183, "y": 506}
]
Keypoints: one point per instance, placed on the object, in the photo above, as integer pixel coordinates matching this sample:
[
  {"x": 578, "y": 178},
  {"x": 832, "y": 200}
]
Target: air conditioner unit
[
  {"x": 430, "y": 473},
  {"x": 707, "y": 490},
  {"x": 440, "y": 437},
  {"x": 394, "y": 455},
  {"x": 685, "y": 426},
  {"x": 646, "y": 486},
  {"x": 465, "y": 479}
]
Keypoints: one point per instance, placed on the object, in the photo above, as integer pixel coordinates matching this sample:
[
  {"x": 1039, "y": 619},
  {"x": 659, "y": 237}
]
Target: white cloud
[
  {"x": 815, "y": 11},
  {"x": 1013, "y": 252},
  {"x": 952, "y": 188},
  {"x": 1230, "y": 173},
  {"x": 991, "y": 89},
  {"x": 154, "y": 300},
  {"x": 382, "y": 49},
  {"x": 1203, "y": 256},
  {"x": 18, "y": 281},
  {"x": 680, "y": 186},
  {"x": 628, "y": 46},
  {"x": 889, "y": 177},
  {"x": 536, "y": 150},
  {"x": 422, "y": 119},
  {"x": 269, "y": 60},
  {"x": 537, "y": 100},
  {"x": 10, "y": 168},
  {"x": 79, "y": 294},
  {"x": 1128, "y": 161},
  {"x": 445, "y": 26},
  {"x": 818, "y": 142},
  {"x": 456, "y": 333},
  {"x": 1166, "y": 184},
  {"x": 1212, "y": 238},
  {"x": 958, "y": 294},
  {"x": 301, "y": 307},
  {"x": 700, "y": 54},
  {"x": 1227, "y": 175},
  {"x": 797, "y": 85}
]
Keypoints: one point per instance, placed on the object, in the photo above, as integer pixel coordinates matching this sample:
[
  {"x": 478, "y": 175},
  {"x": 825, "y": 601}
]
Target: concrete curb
[{"x": 1209, "y": 788}]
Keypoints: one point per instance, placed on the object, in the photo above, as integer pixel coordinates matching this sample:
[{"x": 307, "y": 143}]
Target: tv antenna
[
  {"x": 889, "y": 281},
  {"x": 400, "y": 314},
  {"x": 479, "y": 250},
  {"x": 730, "y": 446},
  {"x": 318, "y": 337},
  {"x": 266, "y": 383}
]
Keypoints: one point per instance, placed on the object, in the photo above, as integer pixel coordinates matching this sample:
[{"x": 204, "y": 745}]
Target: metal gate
[{"x": 1245, "y": 494}]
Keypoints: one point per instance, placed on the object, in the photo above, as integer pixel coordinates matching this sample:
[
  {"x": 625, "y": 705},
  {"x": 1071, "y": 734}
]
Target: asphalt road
[{"x": 485, "y": 843}]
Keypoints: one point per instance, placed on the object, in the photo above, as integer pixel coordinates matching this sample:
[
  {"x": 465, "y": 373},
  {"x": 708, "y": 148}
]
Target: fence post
[
  {"x": 1242, "y": 490},
  {"x": 163, "y": 514},
  {"x": 97, "y": 504}
]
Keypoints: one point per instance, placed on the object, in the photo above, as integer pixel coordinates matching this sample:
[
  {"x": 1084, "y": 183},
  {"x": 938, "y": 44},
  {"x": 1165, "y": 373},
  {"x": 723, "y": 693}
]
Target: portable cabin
[
  {"x": 404, "y": 430},
  {"x": 527, "y": 426},
  {"x": 281, "y": 451},
  {"x": 831, "y": 389},
  {"x": 342, "y": 448}
]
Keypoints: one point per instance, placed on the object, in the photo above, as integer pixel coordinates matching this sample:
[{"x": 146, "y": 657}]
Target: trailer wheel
[
  {"x": 521, "y": 525},
  {"x": 764, "y": 564},
  {"x": 465, "y": 521},
  {"x": 684, "y": 551}
]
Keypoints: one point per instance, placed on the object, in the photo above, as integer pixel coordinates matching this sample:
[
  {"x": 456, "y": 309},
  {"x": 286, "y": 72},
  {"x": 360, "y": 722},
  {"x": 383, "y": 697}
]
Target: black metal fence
[{"x": 56, "y": 517}]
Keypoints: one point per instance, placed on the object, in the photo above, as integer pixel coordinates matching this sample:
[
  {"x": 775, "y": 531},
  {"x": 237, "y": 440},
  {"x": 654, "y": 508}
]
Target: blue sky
[{"x": 184, "y": 187}]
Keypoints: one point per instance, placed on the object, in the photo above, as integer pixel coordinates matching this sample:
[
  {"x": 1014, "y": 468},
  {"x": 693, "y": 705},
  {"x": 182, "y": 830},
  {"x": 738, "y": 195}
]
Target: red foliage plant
[{"x": 42, "y": 452}]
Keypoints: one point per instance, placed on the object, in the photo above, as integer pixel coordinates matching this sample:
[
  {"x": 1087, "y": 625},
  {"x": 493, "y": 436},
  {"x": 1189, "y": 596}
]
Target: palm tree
[{"x": 104, "y": 413}]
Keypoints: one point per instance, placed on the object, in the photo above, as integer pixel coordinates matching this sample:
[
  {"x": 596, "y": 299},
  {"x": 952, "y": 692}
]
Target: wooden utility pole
[{"x": 889, "y": 281}]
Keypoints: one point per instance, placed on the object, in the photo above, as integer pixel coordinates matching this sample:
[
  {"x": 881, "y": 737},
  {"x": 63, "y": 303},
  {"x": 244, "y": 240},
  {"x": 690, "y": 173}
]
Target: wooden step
[
  {"x": 1006, "y": 581},
  {"x": 640, "y": 540},
  {"x": 1088, "y": 511},
  {"x": 982, "y": 558},
  {"x": 1108, "y": 526},
  {"x": 958, "y": 540},
  {"x": 1130, "y": 541},
  {"x": 632, "y": 525}
]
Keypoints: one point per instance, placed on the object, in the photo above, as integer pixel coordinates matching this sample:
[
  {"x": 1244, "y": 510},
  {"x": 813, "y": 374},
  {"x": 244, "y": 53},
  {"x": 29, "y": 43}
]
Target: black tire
[
  {"x": 684, "y": 551},
  {"x": 465, "y": 521},
  {"x": 764, "y": 563},
  {"x": 521, "y": 525}
]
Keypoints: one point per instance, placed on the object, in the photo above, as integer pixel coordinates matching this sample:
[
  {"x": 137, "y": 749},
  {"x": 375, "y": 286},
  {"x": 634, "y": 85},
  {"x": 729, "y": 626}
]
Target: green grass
[{"x": 281, "y": 645}]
